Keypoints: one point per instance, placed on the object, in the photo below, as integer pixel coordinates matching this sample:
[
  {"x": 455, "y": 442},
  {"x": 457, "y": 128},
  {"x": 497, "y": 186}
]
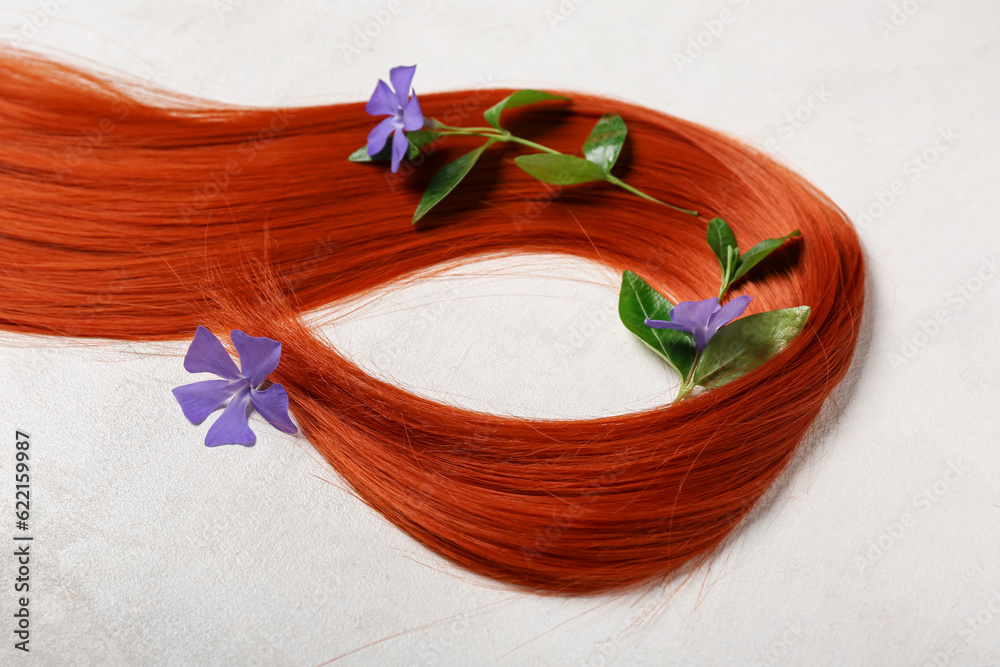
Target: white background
[{"x": 881, "y": 545}]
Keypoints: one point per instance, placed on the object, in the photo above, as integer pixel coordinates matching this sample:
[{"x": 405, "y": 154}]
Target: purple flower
[
  {"x": 258, "y": 357},
  {"x": 702, "y": 318},
  {"x": 403, "y": 111}
]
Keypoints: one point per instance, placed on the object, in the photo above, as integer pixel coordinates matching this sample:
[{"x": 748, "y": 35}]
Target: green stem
[
  {"x": 687, "y": 385},
  {"x": 614, "y": 180},
  {"x": 725, "y": 284},
  {"x": 684, "y": 391},
  {"x": 442, "y": 126},
  {"x": 470, "y": 132},
  {"x": 530, "y": 144},
  {"x": 493, "y": 133},
  {"x": 504, "y": 135}
]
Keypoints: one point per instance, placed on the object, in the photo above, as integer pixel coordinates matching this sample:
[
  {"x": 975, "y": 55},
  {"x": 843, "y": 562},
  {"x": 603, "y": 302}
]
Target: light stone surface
[{"x": 880, "y": 547}]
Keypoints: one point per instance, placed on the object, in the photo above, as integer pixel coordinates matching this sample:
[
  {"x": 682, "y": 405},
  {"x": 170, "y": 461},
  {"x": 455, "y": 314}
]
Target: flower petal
[
  {"x": 400, "y": 144},
  {"x": 231, "y": 427},
  {"x": 694, "y": 314},
  {"x": 380, "y": 134},
  {"x": 259, "y": 355},
  {"x": 729, "y": 312},
  {"x": 663, "y": 324},
  {"x": 272, "y": 404},
  {"x": 401, "y": 78},
  {"x": 206, "y": 355},
  {"x": 382, "y": 101},
  {"x": 200, "y": 399},
  {"x": 413, "y": 118},
  {"x": 702, "y": 335}
]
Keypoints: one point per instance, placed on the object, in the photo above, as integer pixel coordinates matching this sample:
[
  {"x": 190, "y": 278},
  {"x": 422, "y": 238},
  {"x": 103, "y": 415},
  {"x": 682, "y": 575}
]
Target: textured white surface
[{"x": 880, "y": 547}]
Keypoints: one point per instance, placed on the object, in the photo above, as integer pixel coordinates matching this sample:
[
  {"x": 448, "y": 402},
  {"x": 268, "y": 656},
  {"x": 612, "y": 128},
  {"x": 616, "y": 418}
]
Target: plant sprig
[
  {"x": 734, "y": 265},
  {"x": 734, "y": 351},
  {"x": 703, "y": 349},
  {"x": 601, "y": 150}
]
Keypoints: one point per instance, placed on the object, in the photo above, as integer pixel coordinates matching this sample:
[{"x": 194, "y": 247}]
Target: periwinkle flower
[
  {"x": 702, "y": 319},
  {"x": 259, "y": 357},
  {"x": 402, "y": 110}
]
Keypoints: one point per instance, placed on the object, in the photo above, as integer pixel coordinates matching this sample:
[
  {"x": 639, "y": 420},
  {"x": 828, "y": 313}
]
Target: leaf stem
[
  {"x": 438, "y": 125},
  {"x": 504, "y": 135},
  {"x": 726, "y": 282},
  {"x": 470, "y": 132},
  {"x": 614, "y": 180},
  {"x": 493, "y": 133},
  {"x": 687, "y": 385},
  {"x": 530, "y": 144},
  {"x": 732, "y": 258}
]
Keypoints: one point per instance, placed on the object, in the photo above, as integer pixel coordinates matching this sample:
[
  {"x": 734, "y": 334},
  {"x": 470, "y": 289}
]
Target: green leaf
[
  {"x": 445, "y": 180},
  {"x": 605, "y": 142},
  {"x": 418, "y": 139},
  {"x": 720, "y": 237},
  {"x": 723, "y": 244},
  {"x": 361, "y": 155},
  {"x": 518, "y": 99},
  {"x": 637, "y": 301},
  {"x": 739, "y": 347},
  {"x": 732, "y": 259},
  {"x": 560, "y": 169},
  {"x": 755, "y": 254}
]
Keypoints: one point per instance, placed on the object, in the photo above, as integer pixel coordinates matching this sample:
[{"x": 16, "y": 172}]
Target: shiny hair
[{"x": 138, "y": 215}]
